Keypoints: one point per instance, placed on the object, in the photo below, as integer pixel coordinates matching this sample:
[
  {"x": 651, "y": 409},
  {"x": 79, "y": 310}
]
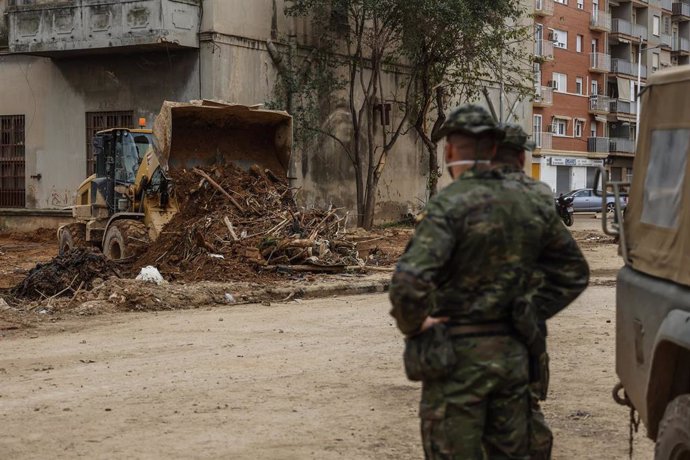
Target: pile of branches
[
  {"x": 65, "y": 275},
  {"x": 245, "y": 225}
]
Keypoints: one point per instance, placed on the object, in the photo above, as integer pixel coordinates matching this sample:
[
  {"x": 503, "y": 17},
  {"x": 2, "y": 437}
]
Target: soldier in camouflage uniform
[
  {"x": 470, "y": 261},
  {"x": 510, "y": 159}
]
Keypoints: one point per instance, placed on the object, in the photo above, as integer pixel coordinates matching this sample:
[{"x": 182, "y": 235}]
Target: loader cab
[{"x": 118, "y": 153}]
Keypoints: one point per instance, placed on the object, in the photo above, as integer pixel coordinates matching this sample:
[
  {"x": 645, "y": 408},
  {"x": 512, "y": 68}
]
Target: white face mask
[
  {"x": 464, "y": 163},
  {"x": 468, "y": 162}
]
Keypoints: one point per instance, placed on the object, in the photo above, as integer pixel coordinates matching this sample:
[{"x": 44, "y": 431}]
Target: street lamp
[{"x": 639, "y": 82}]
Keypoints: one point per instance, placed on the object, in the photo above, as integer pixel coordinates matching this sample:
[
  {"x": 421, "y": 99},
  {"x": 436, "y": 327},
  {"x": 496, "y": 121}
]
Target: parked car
[{"x": 584, "y": 200}]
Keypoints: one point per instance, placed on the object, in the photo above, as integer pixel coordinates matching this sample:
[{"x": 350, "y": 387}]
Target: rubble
[
  {"x": 244, "y": 225},
  {"x": 65, "y": 275}
]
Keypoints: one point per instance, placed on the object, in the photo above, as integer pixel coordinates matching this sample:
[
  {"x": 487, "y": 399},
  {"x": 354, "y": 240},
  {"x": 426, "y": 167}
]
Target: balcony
[
  {"x": 600, "y": 21},
  {"x": 79, "y": 26},
  {"x": 666, "y": 41},
  {"x": 620, "y": 145},
  {"x": 598, "y": 144},
  {"x": 621, "y": 107},
  {"x": 623, "y": 67},
  {"x": 543, "y": 96},
  {"x": 681, "y": 10},
  {"x": 543, "y": 140},
  {"x": 599, "y": 105},
  {"x": 543, "y": 49},
  {"x": 599, "y": 62},
  {"x": 640, "y": 32},
  {"x": 621, "y": 27},
  {"x": 681, "y": 46},
  {"x": 667, "y": 5},
  {"x": 628, "y": 29},
  {"x": 543, "y": 7}
]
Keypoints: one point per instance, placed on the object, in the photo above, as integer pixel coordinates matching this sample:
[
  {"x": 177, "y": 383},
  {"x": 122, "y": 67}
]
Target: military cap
[
  {"x": 469, "y": 119},
  {"x": 515, "y": 138}
]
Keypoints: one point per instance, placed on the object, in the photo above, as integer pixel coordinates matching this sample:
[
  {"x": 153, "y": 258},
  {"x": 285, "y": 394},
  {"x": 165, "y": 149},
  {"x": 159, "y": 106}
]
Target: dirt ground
[
  {"x": 20, "y": 252},
  {"x": 300, "y": 379}
]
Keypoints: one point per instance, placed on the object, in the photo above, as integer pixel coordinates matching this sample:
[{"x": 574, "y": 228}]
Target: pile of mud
[
  {"x": 245, "y": 226},
  {"x": 65, "y": 275}
]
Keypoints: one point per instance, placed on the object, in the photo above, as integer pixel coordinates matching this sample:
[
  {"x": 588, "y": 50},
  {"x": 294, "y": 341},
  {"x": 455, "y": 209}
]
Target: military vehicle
[
  {"x": 125, "y": 204},
  {"x": 653, "y": 288}
]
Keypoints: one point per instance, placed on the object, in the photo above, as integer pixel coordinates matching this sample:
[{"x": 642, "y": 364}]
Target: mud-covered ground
[
  {"x": 65, "y": 287},
  {"x": 292, "y": 379}
]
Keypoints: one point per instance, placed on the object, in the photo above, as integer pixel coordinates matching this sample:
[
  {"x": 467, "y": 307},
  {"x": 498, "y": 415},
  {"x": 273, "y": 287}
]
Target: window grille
[{"x": 12, "y": 161}]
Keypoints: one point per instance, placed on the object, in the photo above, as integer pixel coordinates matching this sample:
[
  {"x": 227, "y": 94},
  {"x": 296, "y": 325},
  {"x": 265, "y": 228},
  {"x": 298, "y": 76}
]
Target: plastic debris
[{"x": 150, "y": 274}]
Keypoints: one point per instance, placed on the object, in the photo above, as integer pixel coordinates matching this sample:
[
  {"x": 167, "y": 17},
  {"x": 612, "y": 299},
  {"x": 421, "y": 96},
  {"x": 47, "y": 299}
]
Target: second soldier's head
[
  {"x": 472, "y": 138},
  {"x": 511, "y": 150}
]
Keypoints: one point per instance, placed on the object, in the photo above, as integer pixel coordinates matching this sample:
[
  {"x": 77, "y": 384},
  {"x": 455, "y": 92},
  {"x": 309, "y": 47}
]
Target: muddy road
[{"x": 317, "y": 379}]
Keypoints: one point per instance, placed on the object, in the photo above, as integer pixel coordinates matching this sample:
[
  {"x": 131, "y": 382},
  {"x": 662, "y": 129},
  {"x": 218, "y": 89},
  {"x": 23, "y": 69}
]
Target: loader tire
[
  {"x": 125, "y": 239},
  {"x": 70, "y": 237},
  {"x": 673, "y": 440}
]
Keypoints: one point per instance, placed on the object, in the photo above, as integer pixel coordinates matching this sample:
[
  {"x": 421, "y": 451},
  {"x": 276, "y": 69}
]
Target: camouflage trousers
[
  {"x": 482, "y": 411},
  {"x": 541, "y": 440}
]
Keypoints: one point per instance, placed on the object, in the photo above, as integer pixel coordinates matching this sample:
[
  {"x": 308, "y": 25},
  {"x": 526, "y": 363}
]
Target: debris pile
[
  {"x": 245, "y": 225},
  {"x": 65, "y": 275}
]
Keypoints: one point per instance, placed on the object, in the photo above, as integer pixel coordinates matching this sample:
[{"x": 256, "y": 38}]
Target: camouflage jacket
[{"x": 476, "y": 250}]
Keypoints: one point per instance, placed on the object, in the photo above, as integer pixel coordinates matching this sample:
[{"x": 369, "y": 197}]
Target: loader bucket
[{"x": 206, "y": 133}]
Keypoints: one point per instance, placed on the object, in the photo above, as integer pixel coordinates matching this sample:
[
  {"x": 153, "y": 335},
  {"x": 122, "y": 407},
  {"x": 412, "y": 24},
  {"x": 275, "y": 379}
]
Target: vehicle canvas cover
[
  {"x": 204, "y": 133},
  {"x": 657, "y": 221}
]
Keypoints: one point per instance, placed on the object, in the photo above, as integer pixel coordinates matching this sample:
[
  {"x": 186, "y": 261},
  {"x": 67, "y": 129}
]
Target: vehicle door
[{"x": 582, "y": 201}]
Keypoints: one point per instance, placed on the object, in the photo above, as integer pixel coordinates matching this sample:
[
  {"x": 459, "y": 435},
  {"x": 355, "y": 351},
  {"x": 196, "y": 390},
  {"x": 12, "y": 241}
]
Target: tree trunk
[
  {"x": 370, "y": 205},
  {"x": 434, "y": 171},
  {"x": 359, "y": 179}
]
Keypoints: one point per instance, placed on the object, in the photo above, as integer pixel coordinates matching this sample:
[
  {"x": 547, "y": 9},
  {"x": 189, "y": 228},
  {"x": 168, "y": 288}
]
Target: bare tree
[{"x": 446, "y": 50}]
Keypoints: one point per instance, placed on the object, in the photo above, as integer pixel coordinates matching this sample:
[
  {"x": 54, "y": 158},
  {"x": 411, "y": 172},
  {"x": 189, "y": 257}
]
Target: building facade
[
  {"x": 571, "y": 64},
  {"x": 72, "y": 67},
  {"x": 593, "y": 58}
]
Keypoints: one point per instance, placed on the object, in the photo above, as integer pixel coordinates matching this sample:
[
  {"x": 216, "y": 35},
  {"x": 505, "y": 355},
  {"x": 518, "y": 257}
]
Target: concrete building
[
  {"x": 643, "y": 33},
  {"x": 72, "y": 67}
]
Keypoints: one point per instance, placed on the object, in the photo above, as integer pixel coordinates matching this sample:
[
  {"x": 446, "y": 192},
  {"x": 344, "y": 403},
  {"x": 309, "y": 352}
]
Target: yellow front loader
[{"x": 125, "y": 204}]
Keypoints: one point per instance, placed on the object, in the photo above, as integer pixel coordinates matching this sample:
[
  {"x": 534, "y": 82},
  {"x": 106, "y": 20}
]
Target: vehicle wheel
[
  {"x": 568, "y": 220},
  {"x": 124, "y": 239},
  {"x": 673, "y": 440},
  {"x": 610, "y": 207},
  {"x": 71, "y": 236}
]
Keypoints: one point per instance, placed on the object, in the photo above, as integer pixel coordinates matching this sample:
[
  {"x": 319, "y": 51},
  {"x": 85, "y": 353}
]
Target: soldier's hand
[{"x": 430, "y": 322}]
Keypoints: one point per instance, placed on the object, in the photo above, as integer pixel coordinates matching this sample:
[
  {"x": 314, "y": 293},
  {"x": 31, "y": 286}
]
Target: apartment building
[
  {"x": 571, "y": 65},
  {"x": 644, "y": 37},
  {"x": 593, "y": 58}
]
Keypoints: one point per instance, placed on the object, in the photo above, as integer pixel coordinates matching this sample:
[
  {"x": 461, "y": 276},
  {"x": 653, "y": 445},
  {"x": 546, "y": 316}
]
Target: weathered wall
[
  {"x": 234, "y": 66},
  {"x": 55, "y": 95},
  {"x": 240, "y": 70},
  {"x": 4, "y": 32}
]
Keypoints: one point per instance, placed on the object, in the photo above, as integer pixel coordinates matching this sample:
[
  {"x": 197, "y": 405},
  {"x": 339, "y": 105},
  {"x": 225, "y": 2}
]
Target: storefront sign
[{"x": 565, "y": 161}]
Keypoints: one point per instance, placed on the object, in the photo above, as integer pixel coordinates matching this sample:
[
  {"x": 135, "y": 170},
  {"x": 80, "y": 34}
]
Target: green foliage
[
  {"x": 303, "y": 89},
  {"x": 446, "y": 49}
]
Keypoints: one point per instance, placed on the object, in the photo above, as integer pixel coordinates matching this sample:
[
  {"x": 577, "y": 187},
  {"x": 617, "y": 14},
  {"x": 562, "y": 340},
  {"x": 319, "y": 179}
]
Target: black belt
[{"x": 481, "y": 329}]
